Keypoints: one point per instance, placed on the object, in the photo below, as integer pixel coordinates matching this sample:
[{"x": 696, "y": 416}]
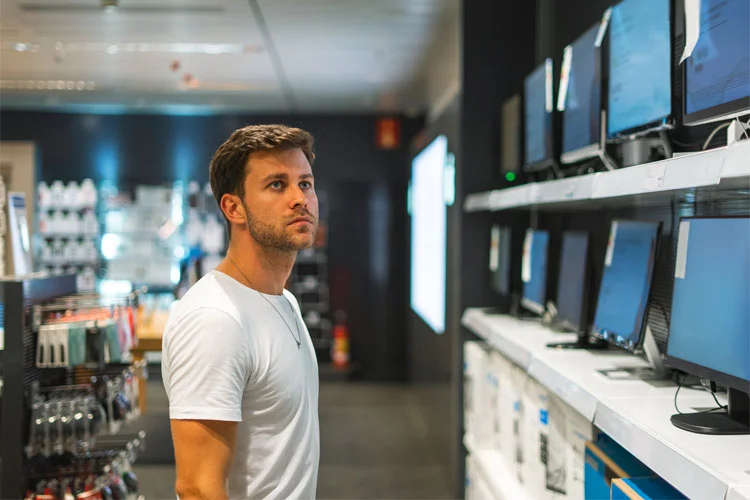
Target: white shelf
[
  {"x": 496, "y": 472},
  {"x": 634, "y": 412},
  {"x": 722, "y": 168}
]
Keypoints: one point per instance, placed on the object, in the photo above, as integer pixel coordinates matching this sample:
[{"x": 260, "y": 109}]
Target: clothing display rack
[{"x": 68, "y": 388}]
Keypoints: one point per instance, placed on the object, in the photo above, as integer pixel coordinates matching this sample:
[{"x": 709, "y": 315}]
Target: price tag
[
  {"x": 526, "y": 261},
  {"x": 494, "y": 248},
  {"x": 682, "y": 250},
  {"x": 692, "y": 27},
  {"x": 654, "y": 178},
  {"x": 611, "y": 245}
]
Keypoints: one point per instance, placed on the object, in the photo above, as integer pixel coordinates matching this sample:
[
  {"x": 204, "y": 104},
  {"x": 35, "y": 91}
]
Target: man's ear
[{"x": 233, "y": 209}]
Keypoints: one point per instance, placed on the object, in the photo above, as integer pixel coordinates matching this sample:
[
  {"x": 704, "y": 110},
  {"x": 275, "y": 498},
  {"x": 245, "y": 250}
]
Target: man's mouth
[{"x": 296, "y": 220}]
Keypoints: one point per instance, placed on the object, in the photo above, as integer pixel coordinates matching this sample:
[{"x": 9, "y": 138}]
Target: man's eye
[
  {"x": 305, "y": 185},
  {"x": 276, "y": 185}
]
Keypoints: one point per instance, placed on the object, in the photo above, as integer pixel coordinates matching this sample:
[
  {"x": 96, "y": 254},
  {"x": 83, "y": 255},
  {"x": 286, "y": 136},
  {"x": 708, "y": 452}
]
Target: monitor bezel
[
  {"x": 549, "y": 159},
  {"x": 583, "y": 327},
  {"x": 636, "y": 347},
  {"x": 530, "y": 304},
  {"x": 594, "y": 149},
  {"x": 659, "y": 124},
  {"x": 698, "y": 370}
]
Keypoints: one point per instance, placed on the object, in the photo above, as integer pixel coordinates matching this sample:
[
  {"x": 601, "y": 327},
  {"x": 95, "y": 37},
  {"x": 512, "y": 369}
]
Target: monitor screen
[
  {"x": 572, "y": 282},
  {"x": 500, "y": 259},
  {"x": 710, "y": 319},
  {"x": 640, "y": 84},
  {"x": 717, "y": 74},
  {"x": 428, "y": 234},
  {"x": 534, "y": 270},
  {"x": 538, "y": 114},
  {"x": 626, "y": 282},
  {"x": 582, "y": 115}
]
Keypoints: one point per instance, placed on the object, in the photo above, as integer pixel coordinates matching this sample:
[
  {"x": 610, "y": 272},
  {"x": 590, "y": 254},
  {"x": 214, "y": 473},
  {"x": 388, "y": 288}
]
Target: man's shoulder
[{"x": 207, "y": 297}]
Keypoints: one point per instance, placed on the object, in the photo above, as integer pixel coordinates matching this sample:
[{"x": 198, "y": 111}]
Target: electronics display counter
[{"x": 635, "y": 413}]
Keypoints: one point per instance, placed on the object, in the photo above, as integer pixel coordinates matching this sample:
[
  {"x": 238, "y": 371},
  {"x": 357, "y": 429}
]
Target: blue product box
[
  {"x": 644, "y": 488},
  {"x": 606, "y": 460}
]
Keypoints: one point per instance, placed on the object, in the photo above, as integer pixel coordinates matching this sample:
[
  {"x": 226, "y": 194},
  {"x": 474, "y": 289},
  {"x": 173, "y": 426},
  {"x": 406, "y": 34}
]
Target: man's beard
[{"x": 270, "y": 237}]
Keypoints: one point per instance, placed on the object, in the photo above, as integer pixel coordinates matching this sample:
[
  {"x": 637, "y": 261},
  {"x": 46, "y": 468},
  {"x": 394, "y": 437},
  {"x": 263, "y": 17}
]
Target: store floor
[{"x": 377, "y": 442}]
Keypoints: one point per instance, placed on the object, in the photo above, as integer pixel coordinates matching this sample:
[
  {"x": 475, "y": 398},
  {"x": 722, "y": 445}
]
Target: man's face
[{"x": 280, "y": 201}]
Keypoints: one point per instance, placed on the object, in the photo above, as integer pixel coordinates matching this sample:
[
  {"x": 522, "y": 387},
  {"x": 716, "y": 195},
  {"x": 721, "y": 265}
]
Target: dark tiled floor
[{"x": 377, "y": 442}]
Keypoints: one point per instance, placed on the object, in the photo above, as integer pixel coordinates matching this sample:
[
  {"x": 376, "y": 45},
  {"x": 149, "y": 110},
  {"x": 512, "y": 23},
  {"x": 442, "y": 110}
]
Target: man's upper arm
[
  {"x": 203, "y": 452},
  {"x": 208, "y": 364}
]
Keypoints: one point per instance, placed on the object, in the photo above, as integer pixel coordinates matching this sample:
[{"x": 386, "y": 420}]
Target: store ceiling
[{"x": 218, "y": 55}]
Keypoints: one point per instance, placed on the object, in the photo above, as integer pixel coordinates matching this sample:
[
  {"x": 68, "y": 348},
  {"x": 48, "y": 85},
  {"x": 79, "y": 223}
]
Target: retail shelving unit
[{"x": 716, "y": 170}]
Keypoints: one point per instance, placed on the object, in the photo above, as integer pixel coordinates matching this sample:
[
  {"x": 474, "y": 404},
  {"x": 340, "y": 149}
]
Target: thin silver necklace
[{"x": 298, "y": 339}]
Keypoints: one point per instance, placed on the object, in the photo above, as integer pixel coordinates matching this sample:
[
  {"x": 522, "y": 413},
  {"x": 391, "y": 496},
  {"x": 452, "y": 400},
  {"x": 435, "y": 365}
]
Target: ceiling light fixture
[{"x": 55, "y": 85}]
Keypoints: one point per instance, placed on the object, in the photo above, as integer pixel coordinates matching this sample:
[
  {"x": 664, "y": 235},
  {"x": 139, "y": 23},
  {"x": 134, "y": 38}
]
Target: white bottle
[
  {"x": 43, "y": 194},
  {"x": 89, "y": 194},
  {"x": 57, "y": 194},
  {"x": 72, "y": 195},
  {"x": 89, "y": 224}
]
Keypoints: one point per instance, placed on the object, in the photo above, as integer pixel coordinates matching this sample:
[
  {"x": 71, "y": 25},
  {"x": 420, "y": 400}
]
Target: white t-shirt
[{"x": 227, "y": 355}]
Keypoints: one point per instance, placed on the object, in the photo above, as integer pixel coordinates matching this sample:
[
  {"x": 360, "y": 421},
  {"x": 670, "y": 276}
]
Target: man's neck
[{"x": 260, "y": 268}]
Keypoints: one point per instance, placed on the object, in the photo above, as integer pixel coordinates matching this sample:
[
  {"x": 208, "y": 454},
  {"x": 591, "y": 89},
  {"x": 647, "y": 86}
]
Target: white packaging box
[
  {"x": 557, "y": 472},
  {"x": 502, "y": 411},
  {"x": 471, "y": 477},
  {"x": 574, "y": 430},
  {"x": 476, "y": 421},
  {"x": 536, "y": 416},
  {"x": 514, "y": 449}
]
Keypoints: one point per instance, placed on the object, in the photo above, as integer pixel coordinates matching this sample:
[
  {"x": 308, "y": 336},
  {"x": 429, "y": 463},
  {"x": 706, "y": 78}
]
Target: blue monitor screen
[
  {"x": 571, "y": 285},
  {"x": 626, "y": 281},
  {"x": 718, "y": 71},
  {"x": 710, "y": 322},
  {"x": 535, "y": 272},
  {"x": 582, "y": 115},
  {"x": 640, "y": 84},
  {"x": 538, "y": 114}
]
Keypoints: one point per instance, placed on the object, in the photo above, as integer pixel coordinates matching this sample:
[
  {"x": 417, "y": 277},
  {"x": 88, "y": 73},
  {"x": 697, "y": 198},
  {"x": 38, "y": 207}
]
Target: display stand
[
  {"x": 655, "y": 370},
  {"x": 735, "y": 420},
  {"x": 637, "y": 151}
]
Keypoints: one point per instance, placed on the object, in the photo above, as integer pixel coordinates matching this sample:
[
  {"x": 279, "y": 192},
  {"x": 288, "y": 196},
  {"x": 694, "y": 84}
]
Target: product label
[
  {"x": 526, "y": 261},
  {"x": 611, "y": 245},
  {"x": 682, "y": 250},
  {"x": 564, "y": 77},
  {"x": 494, "y": 248},
  {"x": 692, "y": 27},
  {"x": 604, "y": 23}
]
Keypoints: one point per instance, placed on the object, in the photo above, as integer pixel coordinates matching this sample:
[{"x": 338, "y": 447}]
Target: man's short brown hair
[{"x": 228, "y": 165}]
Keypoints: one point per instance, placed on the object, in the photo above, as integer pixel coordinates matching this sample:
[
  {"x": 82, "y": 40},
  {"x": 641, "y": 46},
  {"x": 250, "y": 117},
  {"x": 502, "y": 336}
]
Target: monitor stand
[
  {"x": 638, "y": 151},
  {"x": 583, "y": 342},
  {"x": 655, "y": 370},
  {"x": 735, "y": 420}
]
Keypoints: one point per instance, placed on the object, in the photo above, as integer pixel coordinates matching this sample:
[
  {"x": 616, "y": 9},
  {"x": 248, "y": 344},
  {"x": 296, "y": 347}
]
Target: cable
[
  {"x": 714, "y": 132},
  {"x": 719, "y": 406}
]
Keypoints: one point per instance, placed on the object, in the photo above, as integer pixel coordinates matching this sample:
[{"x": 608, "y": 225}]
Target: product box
[
  {"x": 536, "y": 435},
  {"x": 569, "y": 431},
  {"x": 606, "y": 460},
  {"x": 501, "y": 417},
  {"x": 476, "y": 420},
  {"x": 470, "y": 478},
  {"x": 511, "y": 418},
  {"x": 644, "y": 488}
]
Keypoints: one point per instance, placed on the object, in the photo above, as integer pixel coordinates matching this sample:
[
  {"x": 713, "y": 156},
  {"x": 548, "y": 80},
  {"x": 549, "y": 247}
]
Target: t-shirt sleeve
[{"x": 208, "y": 362}]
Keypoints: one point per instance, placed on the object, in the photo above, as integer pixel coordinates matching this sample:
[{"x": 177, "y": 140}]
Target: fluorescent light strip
[{"x": 69, "y": 85}]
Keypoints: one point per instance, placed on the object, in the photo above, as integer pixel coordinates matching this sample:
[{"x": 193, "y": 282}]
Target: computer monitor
[
  {"x": 500, "y": 259},
  {"x": 534, "y": 271},
  {"x": 717, "y": 74},
  {"x": 582, "y": 113},
  {"x": 626, "y": 283},
  {"x": 510, "y": 136},
  {"x": 640, "y": 81},
  {"x": 538, "y": 108},
  {"x": 571, "y": 285},
  {"x": 709, "y": 331}
]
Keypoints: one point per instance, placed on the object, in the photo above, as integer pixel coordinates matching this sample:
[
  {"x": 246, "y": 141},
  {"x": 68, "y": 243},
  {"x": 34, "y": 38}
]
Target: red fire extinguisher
[{"x": 340, "y": 348}]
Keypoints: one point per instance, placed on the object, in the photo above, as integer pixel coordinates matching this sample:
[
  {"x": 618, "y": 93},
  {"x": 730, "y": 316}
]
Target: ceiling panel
[{"x": 322, "y": 55}]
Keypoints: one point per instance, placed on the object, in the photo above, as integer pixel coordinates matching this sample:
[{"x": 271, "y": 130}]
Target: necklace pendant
[{"x": 299, "y": 344}]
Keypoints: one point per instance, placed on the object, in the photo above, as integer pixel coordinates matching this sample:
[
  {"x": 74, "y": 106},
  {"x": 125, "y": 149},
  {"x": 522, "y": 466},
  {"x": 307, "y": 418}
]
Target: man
[{"x": 238, "y": 363}]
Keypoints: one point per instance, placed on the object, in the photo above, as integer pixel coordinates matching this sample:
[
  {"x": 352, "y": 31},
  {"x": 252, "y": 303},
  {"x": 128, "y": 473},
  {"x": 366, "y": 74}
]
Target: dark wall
[{"x": 366, "y": 190}]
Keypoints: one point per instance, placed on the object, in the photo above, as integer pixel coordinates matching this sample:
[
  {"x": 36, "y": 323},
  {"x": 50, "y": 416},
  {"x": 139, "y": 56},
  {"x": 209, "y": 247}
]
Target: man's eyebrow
[
  {"x": 280, "y": 176},
  {"x": 306, "y": 176}
]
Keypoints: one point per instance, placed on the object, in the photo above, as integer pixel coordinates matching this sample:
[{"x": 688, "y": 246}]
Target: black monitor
[
  {"x": 510, "y": 137},
  {"x": 716, "y": 76},
  {"x": 582, "y": 101},
  {"x": 538, "y": 109},
  {"x": 534, "y": 271},
  {"x": 500, "y": 259},
  {"x": 640, "y": 77},
  {"x": 624, "y": 291},
  {"x": 709, "y": 332}
]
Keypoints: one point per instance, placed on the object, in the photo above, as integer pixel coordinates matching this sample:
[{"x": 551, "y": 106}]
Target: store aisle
[{"x": 377, "y": 442}]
